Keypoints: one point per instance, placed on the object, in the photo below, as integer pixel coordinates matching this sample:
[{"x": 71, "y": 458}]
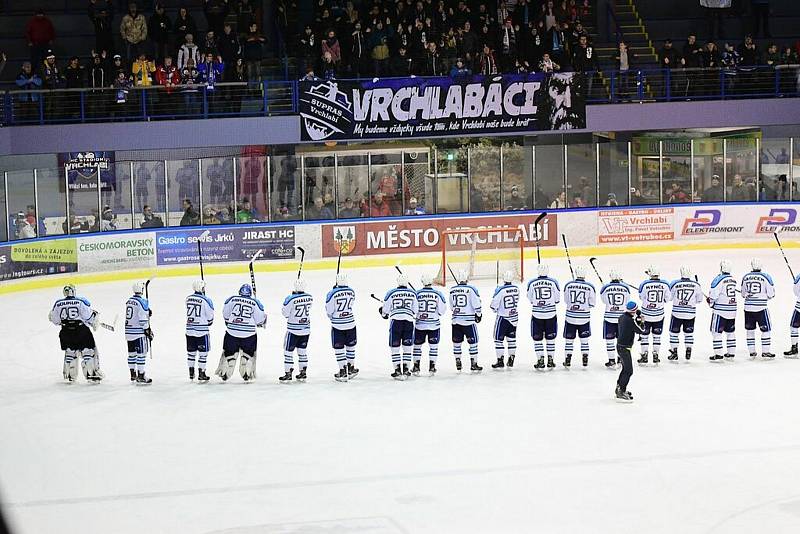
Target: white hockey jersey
[
  {"x": 505, "y": 301},
  {"x": 654, "y": 295},
  {"x": 685, "y": 295},
  {"x": 431, "y": 306},
  {"x": 757, "y": 289},
  {"x": 137, "y": 317},
  {"x": 544, "y": 293},
  {"x": 199, "y": 315},
  {"x": 73, "y": 310},
  {"x": 723, "y": 296},
  {"x": 579, "y": 299},
  {"x": 242, "y": 315},
  {"x": 400, "y": 304},
  {"x": 465, "y": 303},
  {"x": 614, "y": 295},
  {"x": 297, "y": 310},
  {"x": 339, "y": 307}
]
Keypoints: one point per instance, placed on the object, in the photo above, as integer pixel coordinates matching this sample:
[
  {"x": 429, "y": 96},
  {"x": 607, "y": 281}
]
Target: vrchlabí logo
[
  {"x": 778, "y": 220},
  {"x": 327, "y": 111},
  {"x": 707, "y": 222}
]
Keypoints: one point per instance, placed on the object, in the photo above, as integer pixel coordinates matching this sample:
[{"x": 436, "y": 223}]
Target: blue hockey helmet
[
  {"x": 631, "y": 306},
  {"x": 246, "y": 290}
]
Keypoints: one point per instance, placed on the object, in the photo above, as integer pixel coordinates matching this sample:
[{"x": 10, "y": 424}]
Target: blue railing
[{"x": 268, "y": 98}]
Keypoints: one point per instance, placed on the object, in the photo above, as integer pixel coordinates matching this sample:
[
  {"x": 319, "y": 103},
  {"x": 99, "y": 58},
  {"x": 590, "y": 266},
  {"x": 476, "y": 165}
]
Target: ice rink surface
[{"x": 706, "y": 447}]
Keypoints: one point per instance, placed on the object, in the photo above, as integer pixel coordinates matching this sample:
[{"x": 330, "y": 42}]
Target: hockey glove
[
  {"x": 478, "y": 318},
  {"x": 93, "y": 320},
  {"x": 380, "y": 311},
  {"x": 148, "y": 333}
]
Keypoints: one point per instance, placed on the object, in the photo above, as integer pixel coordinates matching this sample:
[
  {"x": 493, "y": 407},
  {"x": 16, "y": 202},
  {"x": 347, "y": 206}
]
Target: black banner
[{"x": 440, "y": 106}]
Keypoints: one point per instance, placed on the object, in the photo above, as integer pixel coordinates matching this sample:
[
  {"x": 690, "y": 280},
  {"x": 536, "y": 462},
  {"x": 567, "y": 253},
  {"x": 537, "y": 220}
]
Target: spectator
[
  {"x": 143, "y": 177},
  {"x": 789, "y": 56},
  {"x": 210, "y": 44},
  {"x": 468, "y": 43},
  {"x": 211, "y": 70},
  {"x": 216, "y": 11},
  {"x": 229, "y": 46},
  {"x": 159, "y": 28},
  {"x": 560, "y": 201},
  {"x": 692, "y": 53},
  {"x": 143, "y": 71},
  {"x": 359, "y": 50},
  {"x": 414, "y": 208},
  {"x": 118, "y": 67},
  {"x": 379, "y": 208},
  {"x": 380, "y": 57},
  {"x": 487, "y": 63},
  {"x": 188, "y": 50},
  {"x": 714, "y": 193},
  {"x": 210, "y": 216},
  {"x": 123, "y": 85},
  {"x": 741, "y": 191},
  {"x": 668, "y": 56},
  {"x": 51, "y": 76},
  {"x": 584, "y": 59},
  {"x": 73, "y": 226},
  {"x": 98, "y": 74},
  {"x": 253, "y": 53},
  {"x": 328, "y": 67},
  {"x": 729, "y": 61},
  {"x": 22, "y": 228},
  {"x": 507, "y": 44},
  {"x": 133, "y": 29},
  {"x": 433, "y": 64},
  {"x": 40, "y": 33},
  {"x": 168, "y": 75},
  {"x": 190, "y": 216},
  {"x": 331, "y": 45},
  {"x": 557, "y": 41},
  {"x": 29, "y": 80},
  {"x": 612, "y": 200},
  {"x": 711, "y": 62},
  {"x": 533, "y": 44},
  {"x": 401, "y": 64},
  {"x": 101, "y": 13},
  {"x": 108, "y": 220},
  {"x": 749, "y": 53},
  {"x": 676, "y": 194},
  {"x": 459, "y": 72},
  {"x": 74, "y": 74},
  {"x": 246, "y": 213},
  {"x": 625, "y": 61},
  {"x": 349, "y": 210},
  {"x": 183, "y": 26},
  {"x": 307, "y": 48},
  {"x": 318, "y": 210},
  {"x": 515, "y": 200},
  {"x": 772, "y": 58},
  {"x": 577, "y": 201},
  {"x": 547, "y": 65}
]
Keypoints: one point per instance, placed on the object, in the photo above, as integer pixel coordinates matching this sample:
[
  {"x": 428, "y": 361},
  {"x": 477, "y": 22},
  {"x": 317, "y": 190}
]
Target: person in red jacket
[
  {"x": 40, "y": 33},
  {"x": 169, "y": 77},
  {"x": 380, "y": 208}
]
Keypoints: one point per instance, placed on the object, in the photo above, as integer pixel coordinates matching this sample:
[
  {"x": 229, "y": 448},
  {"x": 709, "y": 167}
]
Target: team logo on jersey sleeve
[{"x": 344, "y": 239}]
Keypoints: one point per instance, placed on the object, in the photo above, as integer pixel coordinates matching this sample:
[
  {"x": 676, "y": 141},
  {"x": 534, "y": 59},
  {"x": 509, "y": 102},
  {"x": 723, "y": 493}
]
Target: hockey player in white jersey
[
  {"x": 544, "y": 293},
  {"x": 579, "y": 299},
  {"x": 75, "y": 316},
  {"x": 465, "y": 304},
  {"x": 431, "y": 306},
  {"x": 757, "y": 290},
  {"x": 794, "y": 324},
  {"x": 400, "y": 307},
  {"x": 243, "y": 313},
  {"x": 199, "y": 318},
  {"x": 339, "y": 307},
  {"x": 138, "y": 333},
  {"x": 614, "y": 295},
  {"x": 297, "y": 310},
  {"x": 504, "y": 304},
  {"x": 685, "y": 295},
  {"x": 722, "y": 299},
  {"x": 654, "y": 294}
]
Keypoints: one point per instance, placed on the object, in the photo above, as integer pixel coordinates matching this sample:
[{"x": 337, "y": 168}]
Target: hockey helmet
[
  {"x": 543, "y": 269},
  {"x": 614, "y": 275},
  {"x": 580, "y": 272},
  {"x": 755, "y": 263},
  {"x": 509, "y": 276},
  {"x": 725, "y": 267},
  {"x": 631, "y": 306},
  {"x": 245, "y": 291},
  {"x": 299, "y": 286},
  {"x": 653, "y": 271},
  {"x": 686, "y": 271},
  {"x": 402, "y": 280},
  {"x": 69, "y": 290},
  {"x": 138, "y": 288},
  {"x": 199, "y": 286},
  {"x": 462, "y": 276},
  {"x": 341, "y": 279},
  {"x": 426, "y": 279}
]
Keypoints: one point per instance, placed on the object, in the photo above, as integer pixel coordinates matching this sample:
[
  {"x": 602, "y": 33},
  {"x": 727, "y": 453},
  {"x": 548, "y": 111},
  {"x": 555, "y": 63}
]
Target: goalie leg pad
[
  {"x": 247, "y": 366},
  {"x": 227, "y": 365},
  {"x": 70, "y": 365}
]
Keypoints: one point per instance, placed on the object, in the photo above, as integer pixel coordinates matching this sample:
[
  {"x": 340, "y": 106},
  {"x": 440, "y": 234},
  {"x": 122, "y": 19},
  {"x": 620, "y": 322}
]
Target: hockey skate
[
  {"x": 729, "y": 356},
  {"x": 142, "y": 380},
  {"x": 568, "y": 361},
  {"x": 768, "y": 355},
  {"x": 352, "y": 372},
  {"x": 287, "y": 377},
  {"x": 458, "y": 364},
  {"x": 585, "y": 360},
  {"x": 499, "y": 365},
  {"x": 656, "y": 359},
  {"x": 539, "y": 363},
  {"x": 643, "y": 359},
  {"x": 398, "y": 373},
  {"x": 406, "y": 370},
  {"x": 432, "y": 368},
  {"x": 510, "y": 362},
  {"x": 715, "y": 358},
  {"x": 191, "y": 373},
  {"x": 673, "y": 355},
  {"x": 415, "y": 369},
  {"x": 474, "y": 367},
  {"x": 341, "y": 376},
  {"x": 753, "y": 355},
  {"x": 202, "y": 377},
  {"x": 611, "y": 363},
  {"x": 133, "y": 375},
  {"x": 791, "y": 353},
  {"x": 301, "y": 376},
  {"x": 688, "y": 353},
  {"x": 623, "y": 396},
  {"x": 550, "y": 363}
]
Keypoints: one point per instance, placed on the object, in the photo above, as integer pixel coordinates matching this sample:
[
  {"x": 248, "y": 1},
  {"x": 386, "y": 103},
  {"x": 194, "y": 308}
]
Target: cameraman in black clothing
[{"x": 630, "y": 324}]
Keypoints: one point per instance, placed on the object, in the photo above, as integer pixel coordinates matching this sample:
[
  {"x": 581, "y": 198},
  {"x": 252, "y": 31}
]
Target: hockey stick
[
  {"x": 451, "y": 274},
  {"x": 302, "y": 257},
  {"x": 147, "y": 296},
  {"x": 339, "y": 260},
  {"x": 111, "y": 327},
  {"x": 777, "y": 239},
  {"x": 497, "y": 272},
  {"x": 257, "y": 255},
  {"x": 200, "y": 257},
  {"x": 376, "y": 298},
  {"x": 538, "y": 234},
  {"x": 401, "y": 272},
  {"x": 566, "y": 249},
  {"x": 591, "y": 261},
  {"x": 696, "y": 279}
]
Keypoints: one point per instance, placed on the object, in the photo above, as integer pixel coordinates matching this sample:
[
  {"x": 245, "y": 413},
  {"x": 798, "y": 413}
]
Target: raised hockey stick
[
  {"x": 538, "y": 234},
  {"x": 339, "y": 259},
  {"x": 497, "y": 272},
  {"x": 147, "y": 296},
  {"x": 302, "y": 257},
  {"x": 401, "y": 272},
  {"x": 451, "y": 274},
  {"x": 591, "y": 261},
  {"x": 257, "y": 255},
  {"x": 200, "y": 258},
  {"x": 569, "y": 260},
  {"x": 778, "y": 240}
]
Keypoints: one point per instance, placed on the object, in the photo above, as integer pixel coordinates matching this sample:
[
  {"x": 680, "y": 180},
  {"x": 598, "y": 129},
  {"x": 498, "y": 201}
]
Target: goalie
[
  {"x": 75, "y": 315},
  {"x": 242, "y": 314}
]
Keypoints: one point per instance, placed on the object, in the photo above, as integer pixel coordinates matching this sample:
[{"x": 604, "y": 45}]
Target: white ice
[{"x": 705, "y": 447}]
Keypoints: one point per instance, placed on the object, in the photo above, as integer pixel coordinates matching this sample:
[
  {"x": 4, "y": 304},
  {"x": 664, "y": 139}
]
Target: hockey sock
[
  {"x": 433, "y": 352},
  {"x": 341, "y": 358},
  {"x": 396, "y": 355},
  {"x": 584, "y": 346},
  {"x": 645, "y": 343},
  {"x": 673, "y": 340},
  {"x": 512, "y": 346},
  {"x": 351, "y": 354},
  {"x": 190, "y": 359},
  {"x": 457, "y": 350},
  {"x": 288, "y": 361},
  {"x": 539, "y": 348},
  {"x": 688, "y": 340},
  {"x": 473, "y": 351},
  {"x": 567, "y": 346},
  {"x": 69, "y": 356},
  {"x": 140, "y": 361},
  {"x": 551, "y": 348},
  {"x": 717, "y": 336},
  {"x": 417, "y": 353},
  {"x": 766, "y": 341},
  {"x": 751, "y": 341},
  {"x": 731, "y": 342},
  {"x": 795, "y": 334},
  {"x": 202, "y": 358},
  {"x": 656, "y": 342},
  {"x": 132, "y": 361},
  {"x": 499, "y": 348},
  {"x": 302, "y": 357},
  {"x": 610, "y": 352},
  {"x": 406, "y": 354}
]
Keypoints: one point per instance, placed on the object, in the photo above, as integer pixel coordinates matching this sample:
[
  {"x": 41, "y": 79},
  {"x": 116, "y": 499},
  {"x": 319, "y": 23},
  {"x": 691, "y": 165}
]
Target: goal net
[{"x": 485, "y": 253}]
